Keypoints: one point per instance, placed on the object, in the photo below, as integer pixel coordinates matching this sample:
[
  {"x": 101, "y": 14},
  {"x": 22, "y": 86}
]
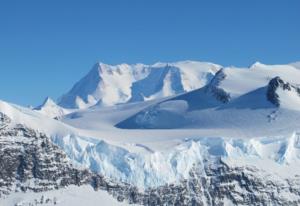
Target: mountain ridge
[{"x": 109, "y": 85}]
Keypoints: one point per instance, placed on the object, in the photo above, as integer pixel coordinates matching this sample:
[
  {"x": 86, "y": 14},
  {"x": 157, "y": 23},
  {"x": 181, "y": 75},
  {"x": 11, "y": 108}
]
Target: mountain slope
[
  {"x": 234, "y": 98},
  {"x": 51, "y": 109},
  {"x": 109, "y": 85}
]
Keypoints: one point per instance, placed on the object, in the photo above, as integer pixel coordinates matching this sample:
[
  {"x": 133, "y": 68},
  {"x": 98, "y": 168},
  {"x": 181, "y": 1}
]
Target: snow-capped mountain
[
  {"x": 229, "y": 137},
  {"x": 243, "y": 98},
  {"x": 109, "y": 85},
  {"x": 51, "y": 109}
]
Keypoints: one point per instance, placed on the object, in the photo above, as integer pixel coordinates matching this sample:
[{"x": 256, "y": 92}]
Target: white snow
[
  {"x": 247, "y": 109},
  {"x": 145, "y": 166},
  {"x": 35, "y": 120},
  {"x": 51, "y": 109},
  {"x": 110, "y": 85},
  {"x": 70, "y": 196},
  {"x": 248, "y": 129},
  {"x": 289, "y": 99},
  {"x": 296, "y": 65},
  {"x": 243, "y": 80}
]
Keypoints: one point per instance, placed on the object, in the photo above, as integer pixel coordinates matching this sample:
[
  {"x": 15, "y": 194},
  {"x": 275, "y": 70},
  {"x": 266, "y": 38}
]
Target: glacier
[{"x": 156, "y": 168}]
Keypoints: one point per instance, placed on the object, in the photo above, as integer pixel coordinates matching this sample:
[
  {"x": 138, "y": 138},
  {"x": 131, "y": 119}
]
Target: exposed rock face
[
  {"x": 222, "y": 183},
  {"x": 30, "y": 161},
  {"x": 213, "y": 87},
  {"x": 275, "y": 84}
]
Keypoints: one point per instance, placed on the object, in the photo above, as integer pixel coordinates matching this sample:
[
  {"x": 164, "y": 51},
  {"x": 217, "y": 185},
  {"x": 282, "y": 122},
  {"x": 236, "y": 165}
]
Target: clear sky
[{"x": 46, "y": 46}]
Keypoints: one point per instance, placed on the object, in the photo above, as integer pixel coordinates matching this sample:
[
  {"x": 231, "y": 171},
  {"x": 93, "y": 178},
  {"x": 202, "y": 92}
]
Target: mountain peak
[
  {"x": 51, "y": 109},
  {"x": 116, "y": 84},
  {"x": 257, "y": 64},
  {"x": 283, "y": 93},
  {"x": 47, "y": 102}
]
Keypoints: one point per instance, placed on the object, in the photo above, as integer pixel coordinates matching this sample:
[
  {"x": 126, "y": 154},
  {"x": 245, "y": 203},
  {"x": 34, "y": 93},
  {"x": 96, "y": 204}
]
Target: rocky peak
[
  {"x": 48, "y": 102},
  {"x": 275, "y": 84},
  {"x": 214, "y": 87},
  {"x": 257, "y": 64}
]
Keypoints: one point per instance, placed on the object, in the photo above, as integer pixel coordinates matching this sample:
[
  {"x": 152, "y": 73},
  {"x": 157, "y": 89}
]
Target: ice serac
[
  {"x": 200, "y": 171},
  {"x": 107, "y": 85},
  {"x": 296, "y": 65}
]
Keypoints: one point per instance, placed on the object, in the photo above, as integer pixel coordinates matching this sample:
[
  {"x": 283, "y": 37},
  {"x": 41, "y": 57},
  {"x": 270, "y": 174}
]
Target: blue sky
[{"x": 46, "y": 46}]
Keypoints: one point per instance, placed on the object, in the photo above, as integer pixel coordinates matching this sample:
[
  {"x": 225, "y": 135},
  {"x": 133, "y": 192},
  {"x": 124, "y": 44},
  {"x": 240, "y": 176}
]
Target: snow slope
[
  {"x": 73, "y": 195},
  {"x": 35, "y": 120},
  {"x": 296, "y": 64},
  {"x": 235, "y": 99},
  {"x": 51, "y": 109},
  {"x": 109, "y": 85}
]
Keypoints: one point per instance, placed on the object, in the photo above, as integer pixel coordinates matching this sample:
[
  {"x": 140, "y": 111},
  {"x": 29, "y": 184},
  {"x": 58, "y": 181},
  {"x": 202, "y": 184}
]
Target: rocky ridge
[
  {"x": 214, "y": 87},
  {"x": 277, "y": 83}
]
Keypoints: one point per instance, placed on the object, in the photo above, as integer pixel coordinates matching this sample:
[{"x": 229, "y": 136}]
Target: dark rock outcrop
[
  {"x": 213, "y": 87},
  {"x": 275, "y": 84}
]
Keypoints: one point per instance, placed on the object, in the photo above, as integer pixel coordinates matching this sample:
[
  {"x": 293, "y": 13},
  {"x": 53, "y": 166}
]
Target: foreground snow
[{"x": 70, "y": 196}]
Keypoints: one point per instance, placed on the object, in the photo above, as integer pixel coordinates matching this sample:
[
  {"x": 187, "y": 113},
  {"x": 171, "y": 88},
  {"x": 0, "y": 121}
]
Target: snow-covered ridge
[
  {"x": 235, "y": 97},
  {"x": 282, "y": 93},
  {"x": 51, "y": 109},
  {"x": 109, "y": 85},
  {"x": 213, "y": 87},
  {"x": 34, "y": 120}
]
